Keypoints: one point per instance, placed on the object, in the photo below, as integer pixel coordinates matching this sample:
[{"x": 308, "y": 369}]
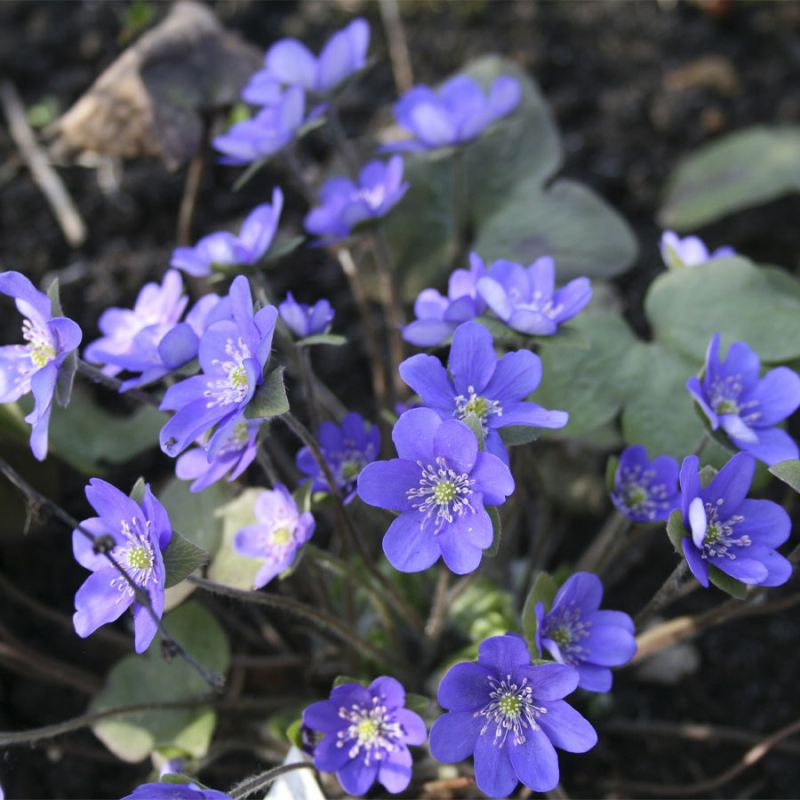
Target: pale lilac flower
[
  {"x": 690, "y": 251},
  {"x": 644, "y": 490},
  {"x": 304, "y": 320}
]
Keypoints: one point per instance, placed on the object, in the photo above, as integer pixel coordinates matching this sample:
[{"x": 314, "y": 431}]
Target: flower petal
[
  {"x": 492, "y": 478},
  {"x": 594, "y": 678},
  {"x": 765, "y": 522},
  {"x": 472, "y": 358},
  {"x": 494, "y": 773},
  {"x": 386, "y": 483},
  {"x": 550, "y": 681},
  {"x": 777, "y": 395},
  {"x": 731, "y": 483},
  {"x": 99, "y": 601},
  {"x": 697, "y": 565},
  {"x": 515, "y": 376},
  {"x": 535, "y": 761},
  {"x": 323, "y": 717},
  {"x": 408, "y": 546},
  {"x": 453, "y": 736},
  {"x": 583, "y": 590},
  {"x": 465, "y": 687},
  {"x": 394, "y": 771},
  {"x": 773, "y": 446},
  {"x": 413, "y": 434},
  {"x": 609, "y": 645},
  {"x": 357, "y": 776},
  {"x": 413, "y": 726},
  {"x": 429, "y": 379},
  {"x": 567, "y": 729},
  {"x": 503, "y": 654}
]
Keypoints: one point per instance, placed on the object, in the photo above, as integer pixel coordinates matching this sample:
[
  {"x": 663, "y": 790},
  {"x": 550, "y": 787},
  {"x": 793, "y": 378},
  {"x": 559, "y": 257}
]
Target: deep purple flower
[
  {"x": 141, "y": 532},
  {"x": 267, "y": 133},
  {"x": 233, "y": 354},
  {"x": 455, "y": 113},
  {"x": 526, "y": 298},
  {"x": 481, "y": 386},
  {"x": 36, "y": 365},
  {"x": 746, "y": 407},
  {"x": 690, "y": 251},
  {"x": 510, "y": 715},
  {"x": 644, "y": 490},
  {"x": 291, "y": 63},
  {"x": 234, "y": 456},
  {"x": 345, "y": 204},
  {"x": 729, "y": 531},
  {"x": 277, "y": 535},
  {"x": 576, "y": 633},
  {"x": 304, "y": 320},
  {"x": 438, "y": 316},
  {"x": 174, "y": 791},
  {"x": 347, "y": 450},
  {"x": 227, "y": 250},
  {"x": 440, "y": 484},
  {"x": 367, "y": 732}
]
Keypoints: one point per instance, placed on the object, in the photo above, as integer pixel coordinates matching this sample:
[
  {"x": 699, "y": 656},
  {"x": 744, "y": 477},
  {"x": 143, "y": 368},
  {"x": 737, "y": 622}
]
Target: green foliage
[
  {"x": 543, "y": 590},
  {"x": 323, "y": 338},
  {"x": 148, "y": 678},
  {"x": 676, "y": 530},
  {"x": 788, "y": 472},
  {"x": 270, "y": 400},
  {"x": 738, "y": 171},
  {"x": 228, "y": 566},
  {"x": 497, "y": 532},
  {"x": 181, "y": 559}
]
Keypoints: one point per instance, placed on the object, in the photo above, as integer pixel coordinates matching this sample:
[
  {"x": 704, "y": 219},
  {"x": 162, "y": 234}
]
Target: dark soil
[{"x": 605, "y": 69}]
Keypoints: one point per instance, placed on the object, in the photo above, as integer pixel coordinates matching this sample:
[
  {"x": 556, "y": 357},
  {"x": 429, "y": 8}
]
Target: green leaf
[
  {"x": 590, "y": 384},
  {"x": 282, "y": 248},
  {"x": 497, "y": 532},
  {"x": 137, "y": 492},
  {"x": 611, "y": 473},
  {"x": 332, "y": 339},
  {"x": 418, "y": 703},
  {"x": 567, "y": 221},
  {"x": 148, "y": 678},
  {"x": 181, "y": 559},
  {"x": 543, "y": 590},
  {"x": 727, "y": 584},
  {"x": 227, "y": 566},
  {"x": 741, "y": 170},
  {"x": 270, "y": 400},
  {"x": 788, "y": 472},
  {"x": 744, "y": 302},
  {"x": 676, "y": 531},
  {"x": 341, "y": 680},
  {"x": 707, "y": 474},
  {"x": 69, "y": 366},
  {"x": 475, "y": 424},
  {"x": 294, "y": 735},
  {"x": 514, "y": 435}
]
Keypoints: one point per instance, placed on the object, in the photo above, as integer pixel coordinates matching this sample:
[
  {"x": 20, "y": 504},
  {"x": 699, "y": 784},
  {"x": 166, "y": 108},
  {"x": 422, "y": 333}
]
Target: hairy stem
[
  {"x": 259, "y": 782},
  {"x": 668, "y": 589}
]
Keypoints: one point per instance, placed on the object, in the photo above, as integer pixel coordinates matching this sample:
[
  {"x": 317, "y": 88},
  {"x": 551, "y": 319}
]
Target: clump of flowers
[
  {"x": 226, "y": 250},
  {"x": 577, "y": 633},
  {"x": 36, "y": 366},
  {"x": 367, "y": 731},
  {"x": 690, "y": 251},
  {"x": 345, "y": 204},
  {"x": 644, "y": 490},
  {"x": 347, "y": 449},
  {"x": 734, "y": 397},
  {"x": 510, "y": 716},
  {"x": 439, "y": 485},
  {"x": 730, "y": 532},
  {"x": 481, "y": 387},
  {"x": 139, "y": 534},
  {"x": 280, "y": 530}
]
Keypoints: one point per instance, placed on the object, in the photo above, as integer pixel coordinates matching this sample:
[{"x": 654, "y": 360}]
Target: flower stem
[
  {"x": 606, "y": 545},
  {"x": 98, "y": 376},
  {"x": 668, "y": 589},
  {"x": 258, "y": 782},
  {"x": 458, "y": 200}
]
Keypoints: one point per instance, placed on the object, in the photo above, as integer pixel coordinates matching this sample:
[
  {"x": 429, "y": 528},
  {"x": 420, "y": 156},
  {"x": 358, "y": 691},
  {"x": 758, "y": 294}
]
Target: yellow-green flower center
[
  {"x": 445, "y": 492},
  {"x": 713, "y": 532},
  {"x": 727, "y": 407},
  {"x": 510, "y": 705},
  {"x": 281, "y": 537},
  {"x": 238, "y": 377},
  {"x": 476, "y": 406},
  {"x": 367, "y": 730},
  {"x": 43, "y": 354},
  {"x": 561, "y": 636},
  {"x": 139, "y": 558},
  {"x": 636, "y": 496},
  {"x": 351, "y": 469}
]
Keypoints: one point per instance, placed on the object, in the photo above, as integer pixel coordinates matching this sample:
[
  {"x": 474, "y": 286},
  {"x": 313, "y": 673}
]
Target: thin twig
[
  {"x": 439, "y": 606},
  {"x": 751, "y": 757},
  {"x": 607, "y": 542},
  {"x": 398, "y": 45},
  {"x": 669, "y": 588},
  {"x": 191, "y": 187},
  {"x": 110, "y": 382},
  {"x": 141, "y": 596},
  {"x": 46, "y": 178},
  {"x": 255, "y": 784}
]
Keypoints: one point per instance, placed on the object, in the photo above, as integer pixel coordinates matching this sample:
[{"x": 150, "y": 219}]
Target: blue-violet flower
[
  {"x": 575, "y": 632},
  {"x": 304, "y": 320},
  {"x": 367, "y": 732},
  {"x": 526, "y": 298},
  {"x": 510, "y": 716},
  {"x": 344, "y": 204},
  {"x": 481, "y": 386},
  {"x": 225, "y": 249},
  {"x": 141, "y": 533},
  {"x": 174, "y": 791},
  {"x": 347, "y": 449},
  {"x": 690, "y": 251},
  {"x": 729, "y": 531},
  {"x": 644, "y": 490},
  {"x": 440, "y": 484},
  {"x": 455, "y": 113},
  {"x": 733, "y": 397},
  {"x": 279, "y": 532},
  {"x": 36, "y": 365}
]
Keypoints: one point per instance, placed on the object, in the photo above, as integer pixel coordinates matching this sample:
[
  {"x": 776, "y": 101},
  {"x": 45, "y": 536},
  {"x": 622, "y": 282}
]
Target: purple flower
[
  {"x": 267, "y": 133},
  {"x": 690, "y": 251},
  {"x": 510, "y": 716},
  {"x": 438, "y": 316},
  {"x": 174, "y": 791},
  {"x": 439, "y": 484},
  {"x": 746, "y": 407},
  {"x": 233, "y": 354},
  {"x": 280, "y": 531},
  {"x": 303, "y": 320},
  {"x": 454, "y": 114},
  {"x": 576, "y": 633},
  {"x": 526, "y": 298},
  {"x": 347, "y": 449},
  {"x": 481, "y": 386},
  {"x": 730, "y": 532},
  {"x": 141, "y": 532},
  {"x": 645, "y": 491},
  {"x": 36, "y": 366},
  {"x": 291, "y": 63},
  {"x": 234, "y": 456},
  {"x": 227, "y": 250},
  {"x": 345, "y": 204},
  {"x": 367, "y": 732}
]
